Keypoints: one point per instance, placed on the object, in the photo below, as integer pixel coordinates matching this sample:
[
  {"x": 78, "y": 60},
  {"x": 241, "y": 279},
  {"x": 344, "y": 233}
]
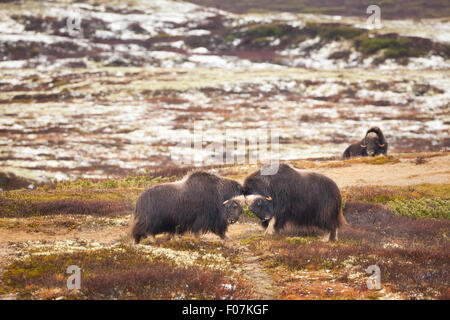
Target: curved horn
[
  {"x": 382, "y": 145},
  {"x": 225, "y": 202},
  {"x": 269, "y": 198},
  {"x": 363, "y": 146}
]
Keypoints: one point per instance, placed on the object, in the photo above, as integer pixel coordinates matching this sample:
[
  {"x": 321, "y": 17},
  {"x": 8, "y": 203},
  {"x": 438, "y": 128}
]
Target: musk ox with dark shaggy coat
[
  {"x": 198, "y": 203},
  {"x": 374, "y": 143},
  {"x": 301, "y": 198}
]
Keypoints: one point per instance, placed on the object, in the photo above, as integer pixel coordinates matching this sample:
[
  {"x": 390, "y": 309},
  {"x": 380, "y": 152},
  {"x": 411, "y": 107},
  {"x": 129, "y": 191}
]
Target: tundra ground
[{"x": 401, "y": 227}]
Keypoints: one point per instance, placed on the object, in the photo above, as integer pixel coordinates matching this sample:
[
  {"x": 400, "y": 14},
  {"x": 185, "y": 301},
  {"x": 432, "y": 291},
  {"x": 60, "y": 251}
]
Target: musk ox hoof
[
  {"x": 334, "y": 235},
  {"x": 175, "y": 237},
  {"x": 330, "y": 236},
  {"x": 138, "y": 238}
]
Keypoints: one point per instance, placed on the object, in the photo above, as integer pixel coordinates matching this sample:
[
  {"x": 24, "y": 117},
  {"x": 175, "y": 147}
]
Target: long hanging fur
[
  {"x": 301, "y": 198},
  {"x": 194, "y": 204}
]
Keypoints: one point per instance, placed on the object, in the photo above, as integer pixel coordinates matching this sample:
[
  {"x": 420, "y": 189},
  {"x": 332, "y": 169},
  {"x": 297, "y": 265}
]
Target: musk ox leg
[
  {"x": 271, "y": 227},
  {"x": 197, "y": 235},
  {"x": 331, "y": 236},
  {"x": 138, "y": 238},
  {"x": 334, "y": 235},
  {"x": 326, "y": 237},
  {"x": 170, "y": 236}
]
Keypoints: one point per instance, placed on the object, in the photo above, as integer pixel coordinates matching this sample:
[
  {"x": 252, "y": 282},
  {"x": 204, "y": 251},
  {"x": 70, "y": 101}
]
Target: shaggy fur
[
  {"x": 373, "y": 143},
  {"x": 302, "y": 198},
  {"x": 193, "y": 204},
  {"x": 233, "y": 209},
  {"x": 261, "y": 207}
]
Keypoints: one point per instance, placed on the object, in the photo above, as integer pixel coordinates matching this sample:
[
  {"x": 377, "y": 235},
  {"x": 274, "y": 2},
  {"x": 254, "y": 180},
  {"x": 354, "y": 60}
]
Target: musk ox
[
  {"x": 199, "y": 203},
  {"x": 374, "y": 143},
  {"x": 301, "y": 198}
]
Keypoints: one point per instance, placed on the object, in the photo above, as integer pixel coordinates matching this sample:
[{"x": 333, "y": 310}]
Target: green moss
[
  {"x": 230, "y": 38},
  {"x": 419, "y": 201},
  {"x": 268, "y": 30},
  {"x": 428, "y": 190},
  {"x": 246, "y": 212},
  {"x": 300, "y": 240},
  {"x": 261, "y": 42},
  {"x": 394, "y": 48},
  {"x": 422, "y": 208},
  {"x": 333, "y": 31}
]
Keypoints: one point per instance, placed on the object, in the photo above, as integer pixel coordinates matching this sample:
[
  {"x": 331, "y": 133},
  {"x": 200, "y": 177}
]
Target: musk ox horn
[
  {"x": 381, "y": 145},
  {"x": 363, "y": 146},
  {"x": 269, "y": 198},
  {"x": 225, "y": 202}
]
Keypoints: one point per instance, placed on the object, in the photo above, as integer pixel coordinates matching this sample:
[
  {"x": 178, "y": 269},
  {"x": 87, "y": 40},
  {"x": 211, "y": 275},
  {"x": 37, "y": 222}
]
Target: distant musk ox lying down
[
  {"x": 374, "y": 143},
  {"x": 300, "y": 198},
  {"x": 198, "y": 203}
]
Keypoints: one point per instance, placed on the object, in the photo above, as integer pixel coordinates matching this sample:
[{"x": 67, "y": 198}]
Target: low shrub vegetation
[
  {"x": 420, "y": 201},
  {"x": 421, "y": 208},
  {"x": 412, "y": 254},
  {"x": 118, "y": 274}
]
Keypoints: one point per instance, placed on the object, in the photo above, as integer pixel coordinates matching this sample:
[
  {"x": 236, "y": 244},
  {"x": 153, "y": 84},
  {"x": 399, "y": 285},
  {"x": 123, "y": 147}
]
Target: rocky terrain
[{"x": 152, "y": 71}]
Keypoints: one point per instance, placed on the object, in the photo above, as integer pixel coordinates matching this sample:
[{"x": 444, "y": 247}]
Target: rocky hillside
[{"x": 173, "y": 33}]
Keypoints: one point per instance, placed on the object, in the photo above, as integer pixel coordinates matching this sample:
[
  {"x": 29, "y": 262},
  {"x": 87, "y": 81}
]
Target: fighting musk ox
[
  {"x": 374, "y": 143},
  {"x": 200, "y": 202},
  {"x": 301, "y": 198}
]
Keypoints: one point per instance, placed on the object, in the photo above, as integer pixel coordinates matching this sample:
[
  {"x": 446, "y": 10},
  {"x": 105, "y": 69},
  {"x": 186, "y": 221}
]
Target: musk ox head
[
  {"x": 261, "y": 206},
  {"x": 233, "y": 209},
  {"x": 374, "y": 142}
]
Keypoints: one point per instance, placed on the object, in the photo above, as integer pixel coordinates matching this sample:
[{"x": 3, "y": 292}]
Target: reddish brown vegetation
[
  {"x": 26, "y": 208},
  {"x": 124, "y": 274},
  {"x": 413, "y": 254}
]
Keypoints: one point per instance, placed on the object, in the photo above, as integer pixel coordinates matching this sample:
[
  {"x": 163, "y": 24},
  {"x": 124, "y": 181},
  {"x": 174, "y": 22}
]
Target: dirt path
[{"x": 252, "y": 270}]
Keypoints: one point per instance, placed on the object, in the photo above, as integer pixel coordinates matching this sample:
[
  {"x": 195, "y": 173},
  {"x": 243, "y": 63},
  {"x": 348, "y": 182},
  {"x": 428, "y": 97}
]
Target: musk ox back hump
[{"x": 226, "y": 188}]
